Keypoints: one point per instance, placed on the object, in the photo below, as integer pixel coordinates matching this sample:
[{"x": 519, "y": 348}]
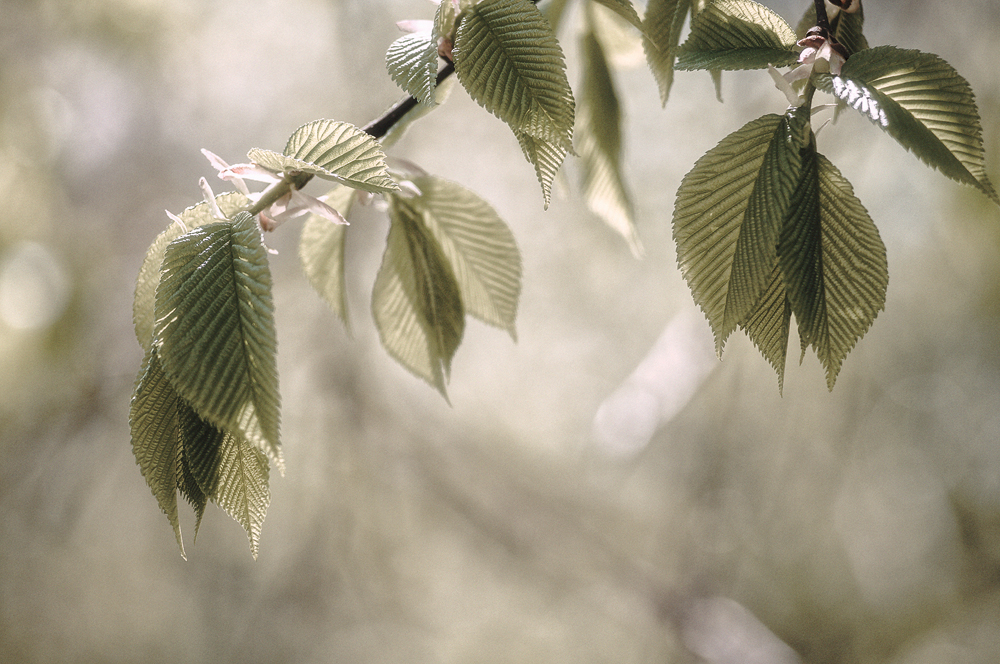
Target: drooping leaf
[
  {"x": 243, "y": 491},
  {"x": 922, "y": 102},
  {"x": 149, "y": 273},
  {"x": 479, "y": 247},
  {"x": 214, "y": 329},
  {"x": 321, "y": 250},
  {"x": 599, "y": 138},
  {"x": 156, "y": 437},
  {"x": 626, "y": 10},
  {"x": 332, "y": 150},
  {"x": 412, "y": 62},
  {"x": 510, "y": 62},
  {"x": 765, "y": 228},
  {"x": 546, "y": 157},
  {"x": 833, "y": 262},
  {"x": 728, "y": 215},
  {"x": 553, "y": 11},
  {"x": 662, "y": 26},
  {"x": 416, "y": 302},
  {"x": 737, "y": 34},
  {"x": 768, "y": 324}
]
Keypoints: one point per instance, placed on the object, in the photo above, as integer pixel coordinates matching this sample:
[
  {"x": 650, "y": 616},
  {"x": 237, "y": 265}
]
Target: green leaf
[
  {"x": 479, "y": 247},
  {"x": 834, "y": 264},
  {"x": 156, "y": 437},
  {"x": 922, "y": 102},
  {"x": 215, "y": 332},
  {"x": 626, "y": 10},
  {"x": 510, "y": 62},
  {"x": 765, "y": 228},
  {"x": 416, "y": 302},
  {"x": 546, "y": 157},
  {"x": 149, "y": 273},
  {"x": 737, "y": 34},
  {"x": 599, "y": 138},
  {"x": 321, "y": 250},
  {"x": 243, "y": 491},
  {"x": 332, "y": 150},
  {"x": 662, "y": 25},
  {"x": 729, "y": 212},
  {"x": 768, "y": 324},
  {"x": 412, "y": 62}
]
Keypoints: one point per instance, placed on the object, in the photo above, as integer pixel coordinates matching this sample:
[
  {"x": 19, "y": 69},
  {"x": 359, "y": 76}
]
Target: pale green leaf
[
  {"x": 412, "y": 62},
  {"x": 626, "y": 10},
  {"x": 332, "y": 150},
  {"x": 156, "y": 437},
  {"x": 479, "y": 247},
  {"x": 242, "y": 488},
  {"x": 662, "y": 27},
  {"x": 737, "y": 34},
  {"x": 214, "y": 329},
  {"x": 546, "y": 157},
  {"x": 728, "y": 214},
  {"x": 922, "y": 102},
  {"x": 599, "y": 141},
  {"x": 510, "y": 62},
  {"x": 416, "y": 301},
  {"x": 321, "y": 250},
  {"x": 833, "y": 262},
  {"x": 149, "y": 273}
]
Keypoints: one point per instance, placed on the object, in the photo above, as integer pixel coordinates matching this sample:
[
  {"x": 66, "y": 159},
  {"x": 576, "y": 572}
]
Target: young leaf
[
  {"x": 214, "y": 329},
  {"x": 156, "y": 437},
  {"x": 509, "y": 61},
  {"x": 662, "y": 28},
  {"x": 599, "y": 138},
  {"x": 737, "y": 34},
  {"x": 149, "y": 273},
  {"x": 922, "y": 102},
  {"x": 833, "y": 262},
  {"x": 412, "y": 62},
  {"x": 332, "y": 150},
  {"x": 624, "y": 9},
  {"x": 479, "y": 247},
  {"x": 416, "y": 303},
  {"x": 242, "y": 490},
  {"x": 768, "y": 324},
  {"x": 729, "y": 212},
  {"x": 546, "y": 157},
  {"x": 321, "y": 250}
]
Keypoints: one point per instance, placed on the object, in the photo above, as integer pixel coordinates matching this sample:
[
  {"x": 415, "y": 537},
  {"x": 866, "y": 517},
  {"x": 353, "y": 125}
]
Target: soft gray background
[{"x": 604, "y": 490}]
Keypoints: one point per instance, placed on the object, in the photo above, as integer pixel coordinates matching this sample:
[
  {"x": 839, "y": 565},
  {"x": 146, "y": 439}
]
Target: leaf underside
[
  {"x": 663, "y": 23},
  {"x": 478, "y": 246},
  {"x": 415, "y": 301},
  {"x": 765, "y": 228},
  {"x": 412, "y": 62},
  {"x": 599, "y": 146},
  {"x": 321, "y": 250},
  {"x": 922, "y": 102}
]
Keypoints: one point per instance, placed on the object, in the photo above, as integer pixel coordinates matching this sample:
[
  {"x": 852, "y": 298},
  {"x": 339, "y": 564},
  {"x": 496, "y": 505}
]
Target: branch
[{"x": 822, "y": 20}]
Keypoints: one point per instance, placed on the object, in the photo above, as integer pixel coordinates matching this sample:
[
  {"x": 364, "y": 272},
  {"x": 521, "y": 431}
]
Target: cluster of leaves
[{"x": 766, "y": 227}]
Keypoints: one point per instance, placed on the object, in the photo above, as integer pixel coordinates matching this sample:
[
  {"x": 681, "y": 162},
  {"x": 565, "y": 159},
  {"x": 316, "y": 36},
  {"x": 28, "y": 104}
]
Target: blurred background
[{"x": 604, "y": 490}]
